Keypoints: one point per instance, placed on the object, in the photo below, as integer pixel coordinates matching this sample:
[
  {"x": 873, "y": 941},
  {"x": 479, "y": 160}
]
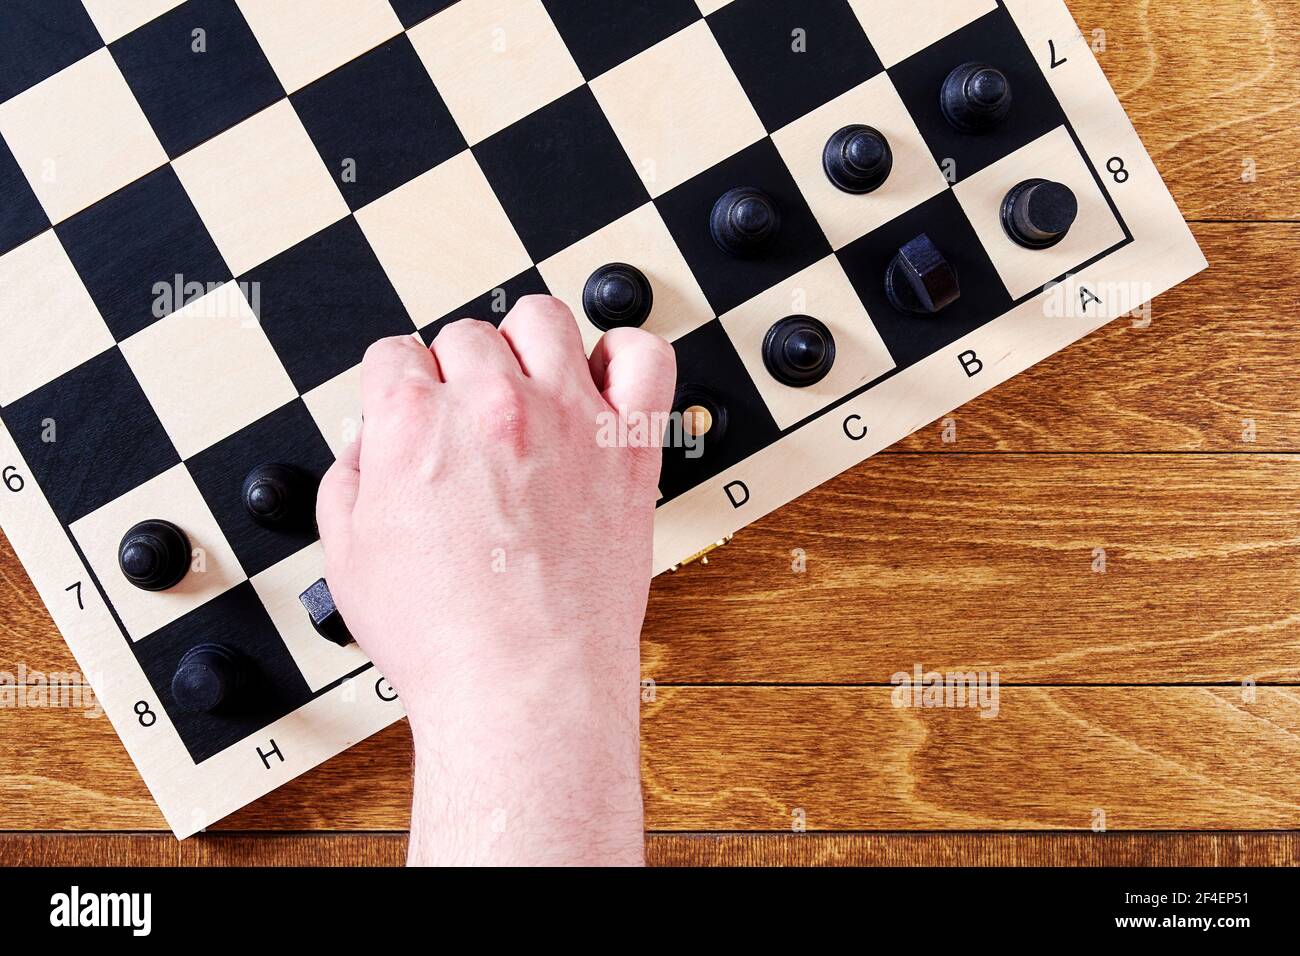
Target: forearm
[{"x": 547, "y": 774}]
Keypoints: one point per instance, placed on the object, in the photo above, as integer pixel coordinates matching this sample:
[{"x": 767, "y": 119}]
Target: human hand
[{"x": 494, "y": 560}]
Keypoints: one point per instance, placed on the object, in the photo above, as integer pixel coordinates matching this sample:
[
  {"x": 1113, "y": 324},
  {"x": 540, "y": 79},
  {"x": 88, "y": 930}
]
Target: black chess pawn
[
  {"x": 1038, "y": 213},
  {"x": 154, "y": 555},
  {"x": 858, "y": 159},
  {"x": 976, "y": 97},
  {"x": 703, "y": 419},
  {"x": 745, "y": 221},
  {"x": 920, "y": 280},
  {"x": 617, "y": 296},
  {"x": 208, "y": 679},
  {"x": 324, "y": 614},
  {"x": 799, "y": 351},
  {"x": 279, "y": 497}
]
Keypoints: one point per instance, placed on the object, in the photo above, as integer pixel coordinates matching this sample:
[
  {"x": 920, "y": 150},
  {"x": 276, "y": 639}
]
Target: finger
[
  {"x": 335, "y": 499},
  {"x": 391, "y": 366},
  {"x": 545, "y": 338},
  {"x": 470, "y": 349},
  {"x": 399, "y": 376},
  {"x": 635, "y": 371}
]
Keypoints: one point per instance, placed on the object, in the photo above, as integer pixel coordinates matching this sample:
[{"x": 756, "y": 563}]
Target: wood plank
[
  {"x": 987, "y": 563},
  {"x": 970, "y": 562},
  {"x": 1214, "y": 363},
  {"x": 745, "y": 759},
  {"x": 685, "y": 849},
  {"x": 1210, "y": 86}
]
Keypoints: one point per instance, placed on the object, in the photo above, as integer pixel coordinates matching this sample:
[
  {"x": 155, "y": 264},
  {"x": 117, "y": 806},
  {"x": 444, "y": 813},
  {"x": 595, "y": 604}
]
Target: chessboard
[{"x": 849, "y": 217}]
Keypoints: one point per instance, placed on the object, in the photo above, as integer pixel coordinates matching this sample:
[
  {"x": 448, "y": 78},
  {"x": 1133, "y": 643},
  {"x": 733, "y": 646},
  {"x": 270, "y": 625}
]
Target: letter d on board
[{"x": 735, "y": 488}]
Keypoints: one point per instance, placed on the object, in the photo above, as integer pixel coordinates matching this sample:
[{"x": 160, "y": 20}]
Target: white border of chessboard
[{"x": 1162, "y": 254}]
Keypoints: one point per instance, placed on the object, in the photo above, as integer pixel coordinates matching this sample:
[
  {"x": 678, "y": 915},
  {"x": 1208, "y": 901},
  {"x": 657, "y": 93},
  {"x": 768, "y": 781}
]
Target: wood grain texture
[
  {"x": 969, "y": 562},
  {"x": 1212, "y": 86},
  {"x": 746, "y": 759},
  {"x": 951, "y": 559},
  {"x": 684, "y": 849}
]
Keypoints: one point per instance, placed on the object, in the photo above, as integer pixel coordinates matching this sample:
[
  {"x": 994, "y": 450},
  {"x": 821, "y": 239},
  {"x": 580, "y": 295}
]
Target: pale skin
[{"x": 494, "y": 560}]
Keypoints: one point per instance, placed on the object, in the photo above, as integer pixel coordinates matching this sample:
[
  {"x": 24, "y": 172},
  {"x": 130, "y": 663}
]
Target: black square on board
[
  {"x": 561, "y": 174},
  {"x": 984, "y": 298},
  {"x": 188, "y": 93},
  {"x": 792, "y": 58},
  {"x": 492, "y": 306},
  {"x": 107, "y": 439},
  {"x": 136, "y": 248},
  {"x": 271, "y": 684},
  {"x": 411, "y": 12},
  {"x": 601, "y": 34},
  {"x": 38, "y": 38},
  {"x": 21, "y": 215},
  {"x": 726, "y": 280},
  {"x": 323, "y": 302},
  {"x": 287, "y": 436},
  {"x": 383, "y": 113},
  {"x": 992, "y": 39},
  {"x": 707, "y": 359}
]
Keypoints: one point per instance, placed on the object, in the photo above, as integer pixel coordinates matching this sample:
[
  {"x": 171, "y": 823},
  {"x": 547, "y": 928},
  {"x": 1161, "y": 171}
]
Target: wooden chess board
[{"x": 212, "y": 217}]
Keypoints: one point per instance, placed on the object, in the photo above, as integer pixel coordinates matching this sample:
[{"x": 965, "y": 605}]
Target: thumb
[{"x": 635, "y": 371}]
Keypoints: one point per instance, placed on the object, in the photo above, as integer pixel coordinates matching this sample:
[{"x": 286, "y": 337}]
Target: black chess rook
[
  {"x": 154, "y": 555},
  {"x": 920, "y": 280},
  {"x": 976, "y": 97},
  {"x": 208, "y": 679},
  {"x": 858, "y": 159},
  {"x": 745, "y": 221},
  {"x": 799, "y": 351},
  {"x": 1038, "y": 213},
  {"x": 618, "y": 296}
]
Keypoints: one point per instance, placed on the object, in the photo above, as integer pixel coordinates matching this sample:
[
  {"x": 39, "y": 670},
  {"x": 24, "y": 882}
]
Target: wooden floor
[{"x": 1159, "y": 699}]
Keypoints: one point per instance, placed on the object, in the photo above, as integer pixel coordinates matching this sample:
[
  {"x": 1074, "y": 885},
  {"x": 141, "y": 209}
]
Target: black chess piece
[
  {"x": 1038, "y": 213},
  {"x": 703, "y": 418},
  {"x": 745, "y": 221},
  {"x": 324, "y": 614},
  {"x": 799, "y": 351},
  {"x": 618, "y": 296},
  {"x": 154, "y": 555},
  {"x": 858, "y": 159},
  {"x": 976, "y": 97},
  {"x": 208, "y": 679},
  {"x": 278, "y": 496},
  {"x": 920, "y": 280}
]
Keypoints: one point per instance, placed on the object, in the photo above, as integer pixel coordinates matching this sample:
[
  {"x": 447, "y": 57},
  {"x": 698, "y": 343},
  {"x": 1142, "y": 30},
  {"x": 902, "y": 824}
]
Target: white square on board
[
  {"x": 915, "y": 177},
  {"x": 678, "y": 108},
  {"x": 825, "y": 293},
  {"x": 208, "y": 369},
  {"x": 899, "y": 28},
  {"x": 495, "y": 62},
  {"x": 260, "y": 187},
  {"x": 443, "y": 239},
  {"x": 80, "y": 136},
  {"x": 172, "y": 496},
  {"x": 335, "y": 407},
  {"x": 641, "y": 239},
  {"x": 116, "y": 18},
  {"x": 321, "y": 662},
  {"x": 1056, "y": 157},
  {"x": 306, "y": 41},
  {"x": 50, "y": 324}
]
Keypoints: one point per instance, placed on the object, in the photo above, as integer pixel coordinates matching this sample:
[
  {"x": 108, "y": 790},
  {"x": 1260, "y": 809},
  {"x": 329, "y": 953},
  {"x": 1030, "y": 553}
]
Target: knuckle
[
  {"x": 501, "y": 413},
  {"x": 542, "y": 308},
  {"x": 464, "y": 330}
]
